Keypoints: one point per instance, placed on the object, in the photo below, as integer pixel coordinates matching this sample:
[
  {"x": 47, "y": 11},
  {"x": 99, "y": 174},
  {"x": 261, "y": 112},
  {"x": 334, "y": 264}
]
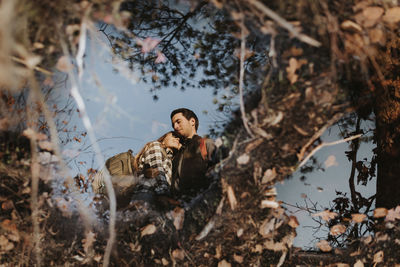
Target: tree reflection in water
[{"x": 346, "y": 177}]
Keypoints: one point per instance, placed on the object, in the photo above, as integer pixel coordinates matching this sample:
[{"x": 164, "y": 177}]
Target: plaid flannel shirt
[{"x": 155, "y": 156}]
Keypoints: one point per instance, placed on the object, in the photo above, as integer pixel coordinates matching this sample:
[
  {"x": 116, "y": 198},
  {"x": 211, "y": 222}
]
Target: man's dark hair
[{"x": 188, "y": 114}]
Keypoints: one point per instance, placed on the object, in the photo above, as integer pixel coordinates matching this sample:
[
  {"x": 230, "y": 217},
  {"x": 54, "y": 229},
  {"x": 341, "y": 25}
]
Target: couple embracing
[{"x": 174, "y": 166}]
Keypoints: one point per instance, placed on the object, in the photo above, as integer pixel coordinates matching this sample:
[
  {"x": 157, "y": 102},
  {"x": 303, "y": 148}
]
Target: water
[{"x": 326, "y": 186}]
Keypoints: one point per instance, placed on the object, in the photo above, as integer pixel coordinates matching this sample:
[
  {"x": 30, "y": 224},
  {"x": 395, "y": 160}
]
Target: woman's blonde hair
[{"x": 138, "y": 155}]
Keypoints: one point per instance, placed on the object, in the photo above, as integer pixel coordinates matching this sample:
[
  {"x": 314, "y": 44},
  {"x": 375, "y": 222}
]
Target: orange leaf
[
  {"x": 324, "y": 246},
  {"x": 338, "y": 229}
]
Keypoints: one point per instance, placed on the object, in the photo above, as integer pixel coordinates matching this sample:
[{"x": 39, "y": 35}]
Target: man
[{"x": 194, "y": 158}]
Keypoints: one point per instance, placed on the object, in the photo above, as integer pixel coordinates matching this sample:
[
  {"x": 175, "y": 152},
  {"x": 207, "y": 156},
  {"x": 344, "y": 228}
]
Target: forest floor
[{"x": 237, "y": 222}]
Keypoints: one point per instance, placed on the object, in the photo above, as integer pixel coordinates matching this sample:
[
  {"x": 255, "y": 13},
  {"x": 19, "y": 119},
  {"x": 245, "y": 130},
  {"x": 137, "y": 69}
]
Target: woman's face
[{"x": 171, "y": 141}]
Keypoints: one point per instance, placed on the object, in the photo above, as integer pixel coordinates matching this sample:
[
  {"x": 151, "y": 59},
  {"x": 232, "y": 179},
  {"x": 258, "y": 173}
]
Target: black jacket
[{"x": 189, "y": 167}]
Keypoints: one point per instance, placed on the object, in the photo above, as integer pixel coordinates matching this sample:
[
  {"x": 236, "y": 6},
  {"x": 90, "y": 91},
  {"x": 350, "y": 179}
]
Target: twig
[
  {"x": 285, "y": 24},
  {"x": 318, "y": 134},
  {"x": 241, "y": 75},
  {"x": 35, "y": 169},
  {"x": 327, "y": 144},
  {"x": 42, "y": 70},
  {"x": 99, "y": 158}
]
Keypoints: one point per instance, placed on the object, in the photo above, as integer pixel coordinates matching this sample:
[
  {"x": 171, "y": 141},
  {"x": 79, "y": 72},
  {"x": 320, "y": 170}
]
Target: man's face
[{"x": 183, "y": 126}]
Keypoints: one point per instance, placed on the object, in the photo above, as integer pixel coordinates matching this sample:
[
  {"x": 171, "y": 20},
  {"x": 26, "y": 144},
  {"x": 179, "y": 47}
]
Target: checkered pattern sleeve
[{"x": 154, "y": 157}]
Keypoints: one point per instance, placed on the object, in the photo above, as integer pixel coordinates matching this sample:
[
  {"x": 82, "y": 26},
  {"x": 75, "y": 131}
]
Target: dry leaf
[
  {"x": 46, "y": 145},
  {"x": 63, "y": 64},
  {"x": 378, "y": 257},
  {"x": 393, "y": 214},
  {"x": 366, "y": 240},
  {"x": 324, "y": 246},
  {"x": 218, "y": 252},
  {"x": 326, "y": 215},
  {"x": 178, "y": 214},
  {"x": 291, "y": 69},
  {"x": 377, "y": 36},
  {"x": 88, "y": 241},
  {"x": 293, "y": 222},
  {"x": 250, "y": 147},
  {"x": 178, "y": 254},
  {"x": 359, "y": 263},
  {"x": 4, "y": 124},
  {"x": 30, "y": 133},
  {"x": 239, "y": 232},
  {"x": 7, "y": 205},
  {"x": 331, "y": 161},
  {"x": 5, "y": 244},
  {"x": 148, "y": 230},
  {"x": 243, "y": 159},
  {"x": 358, "y": 217},
  {"x": 231, "y": 197},
  {"x": 392, "y": 15},
  {"x": 380, "y": 212},
  {"x": 148, "y": 44},
  {"x": 350, "y": 25},
  {"x": 338, "y": 229},
  {"x": 164, "y": 261},
  {"x": 266, "y": 203},
  {"x": 267, "y": 227},
  {"x": 372, "y": 14},
  {"x": 294, "y": 64},
  {"x": 269, "y": 175},
  {"x": 238, "y": 258},
  {"x": 224, "y": 263}
]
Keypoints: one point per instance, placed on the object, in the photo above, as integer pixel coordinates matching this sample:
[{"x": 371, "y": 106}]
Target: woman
[
  {"x": 153, "y": 170},
  {"x": 153, "y": 164}
]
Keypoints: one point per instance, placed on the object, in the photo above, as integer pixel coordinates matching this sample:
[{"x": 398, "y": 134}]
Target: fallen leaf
[
  {"x": 148, "y": 44},
  {"x": 178, "y": 254},
  {"x": 393, "y": 214},
  {"x": 231, "y": 198},
  {"x": 358, "y": 217},
  {"x": 218, "y": 252},
  {"x": 331, "y": 161},
  {"x": 160, "y": 58},
  {"x": 88, "y": 241},
  {"x": 350, "y": 25},
  {"x": 148, "y": 230},
  {"x": 266, "y": 203},
  {"x": 164, "y": 261},
  {"x": 239, "y": 232},
  {"x": 326, "y": 215},
  {"x": 366, "y": 240},
  {"x": 63, "y": 64},
  {"x": 238, "y": 258},
  {"x": 377, "y": 36},
  {"x": 378, "y": 257},
  {"x": 293, "y": 222},
  {"x": 267, "y": 227},
  {"x": 338, "y": 229},
  {"x": 324, "y": 246},
  {"x": 4, "y": 124},
  {"x": 46, "y": 145},
  {"x": 224, "y": 263},
  {"x": 243, "y": 159},
  {"x": 269, "y": 176},
  {"x": 380, "y": 212},
  {"x": 392, "y": 15},
  {"x": 294, "y": 64},
  {"x": 372, "y": 14},
  {"x": 7, "y": 205},
  {"x": 359, "y": 263},
  {"x": 178, "y": 214}
]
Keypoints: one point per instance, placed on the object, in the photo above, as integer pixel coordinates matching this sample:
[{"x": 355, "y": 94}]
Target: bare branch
[{"x": 285, "y": 24}]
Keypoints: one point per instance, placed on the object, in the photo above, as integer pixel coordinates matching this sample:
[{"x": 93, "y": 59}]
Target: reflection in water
[{"x": 340, "y": 182}]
